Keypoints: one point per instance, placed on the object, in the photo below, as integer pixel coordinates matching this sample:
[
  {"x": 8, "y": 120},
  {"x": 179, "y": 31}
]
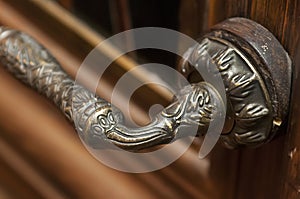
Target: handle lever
[{"x": 255, "y": 69}]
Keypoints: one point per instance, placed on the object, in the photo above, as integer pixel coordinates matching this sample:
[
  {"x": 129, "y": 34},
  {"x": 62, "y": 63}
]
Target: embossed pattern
[
  {"x": 248, "y": 103},
  {"x": 97, "y": 121},
  {"x": 33, "y": 65}
]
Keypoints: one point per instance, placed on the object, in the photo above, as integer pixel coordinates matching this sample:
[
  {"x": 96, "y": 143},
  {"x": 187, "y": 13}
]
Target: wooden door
[
  {"x": 271, "y": 171},
  {"x": 41, "y": 155}
]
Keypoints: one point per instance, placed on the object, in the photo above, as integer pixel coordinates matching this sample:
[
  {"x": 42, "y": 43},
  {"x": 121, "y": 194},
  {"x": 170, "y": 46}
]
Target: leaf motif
[
  {"x": 224, "y": 59},
  {"x": 203, "y": 116},
  {"x": 251, "y": 136},
  {"x": 241, "y": 80},
  {"x": 253, "y": 111},
  {"x": 172, "y": 110},
  {"x": 241, "y": 85}
]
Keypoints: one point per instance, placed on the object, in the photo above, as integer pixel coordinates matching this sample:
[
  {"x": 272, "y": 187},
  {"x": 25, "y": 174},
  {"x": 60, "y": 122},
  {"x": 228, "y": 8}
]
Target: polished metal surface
[
  {"x": 249, "y": 115},
  {"x": 256, "y": 71},
  {"x": 253, "y": 116},
  {"x": 97, "y": 120}
]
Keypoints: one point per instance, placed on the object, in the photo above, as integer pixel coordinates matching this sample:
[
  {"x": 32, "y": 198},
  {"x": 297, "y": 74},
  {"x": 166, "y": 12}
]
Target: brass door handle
[{"x": 255, "y": 69}]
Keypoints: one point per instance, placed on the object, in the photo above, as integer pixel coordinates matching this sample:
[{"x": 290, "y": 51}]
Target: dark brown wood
[
  {"x": 18, "y": 174},
  {"x": 192, "y": 17},
  {"x": 68, "y": 4},
  {"x": 267, "y": 164},
  {"x": 41, "y": 135},
  {"x": 291, "y": 156},
  {"x": 271, "y": 171},
  {"x": 10, "y": 182},
  {"x": 262, "y": 172},
  {"x": 120, "y": 15}
]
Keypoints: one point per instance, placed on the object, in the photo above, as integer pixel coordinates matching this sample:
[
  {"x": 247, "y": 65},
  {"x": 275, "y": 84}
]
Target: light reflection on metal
[{"x": 253, "y": 114}]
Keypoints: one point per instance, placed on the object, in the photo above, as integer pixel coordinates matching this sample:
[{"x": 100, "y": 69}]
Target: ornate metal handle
[{"x": 255, "y": 69}]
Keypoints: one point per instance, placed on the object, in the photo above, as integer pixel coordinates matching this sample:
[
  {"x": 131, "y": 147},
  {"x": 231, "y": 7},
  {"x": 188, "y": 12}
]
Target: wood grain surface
[{"x": 42, "y": 157}]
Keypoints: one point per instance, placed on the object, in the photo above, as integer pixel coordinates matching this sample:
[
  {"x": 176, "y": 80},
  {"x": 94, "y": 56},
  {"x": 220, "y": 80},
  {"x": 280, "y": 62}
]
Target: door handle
[{"x": 254, "y": 67}]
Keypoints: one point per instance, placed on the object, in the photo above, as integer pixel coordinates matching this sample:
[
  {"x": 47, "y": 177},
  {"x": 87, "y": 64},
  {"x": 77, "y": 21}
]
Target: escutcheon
[{"x": 256, "y": 71}]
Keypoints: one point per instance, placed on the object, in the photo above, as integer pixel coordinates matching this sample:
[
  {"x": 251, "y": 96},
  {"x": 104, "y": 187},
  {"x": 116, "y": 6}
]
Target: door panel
[
  {"x": 271, "y": 171},
  {"x": 60, "y": 160}
]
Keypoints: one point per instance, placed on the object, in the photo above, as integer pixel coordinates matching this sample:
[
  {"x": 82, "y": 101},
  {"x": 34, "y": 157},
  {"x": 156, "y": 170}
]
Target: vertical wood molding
[{"x": 273, "y": 170}]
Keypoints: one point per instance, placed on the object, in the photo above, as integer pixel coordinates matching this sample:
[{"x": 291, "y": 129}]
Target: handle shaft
[{"x": 96, "y": 120}]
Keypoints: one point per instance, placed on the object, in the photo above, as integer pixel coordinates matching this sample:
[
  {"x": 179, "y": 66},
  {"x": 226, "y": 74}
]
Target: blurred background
[{"x": 41, "y": 155}]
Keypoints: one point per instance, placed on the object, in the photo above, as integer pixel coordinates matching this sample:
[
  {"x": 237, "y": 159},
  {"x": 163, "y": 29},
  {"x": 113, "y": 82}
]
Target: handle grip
[
  {"x": 97, "y": 121},
  {"x": 255, "y": 69}
]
